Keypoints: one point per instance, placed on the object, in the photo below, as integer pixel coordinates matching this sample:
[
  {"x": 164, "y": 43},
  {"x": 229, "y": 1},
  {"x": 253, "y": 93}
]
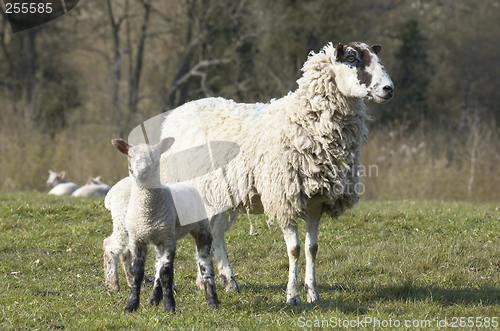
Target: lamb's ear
[
  {"x": 89, "y": 181},
  {"x": 339, "y": 52},
  {"x": 376, "y": 48},
  {"x": 62, "y": 174},
  {"x": 121, "y": 145},
  {"x": 165, "y": 144}
]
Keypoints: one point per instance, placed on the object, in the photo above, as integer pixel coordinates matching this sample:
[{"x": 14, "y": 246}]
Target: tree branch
[{"x": 195, "y": 71}]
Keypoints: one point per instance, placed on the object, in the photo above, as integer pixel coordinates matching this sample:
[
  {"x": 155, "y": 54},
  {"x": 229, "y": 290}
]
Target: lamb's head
[
  {"x": 96, "y": 180},
  {"x": 55, "y": 178},
  {"x": 144, "y": 159},
  {"x": 358, "y": 72}
]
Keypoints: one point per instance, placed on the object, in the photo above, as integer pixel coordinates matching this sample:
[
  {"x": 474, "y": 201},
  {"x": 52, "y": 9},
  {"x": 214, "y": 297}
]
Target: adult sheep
[{"x": 298, "y": 156}]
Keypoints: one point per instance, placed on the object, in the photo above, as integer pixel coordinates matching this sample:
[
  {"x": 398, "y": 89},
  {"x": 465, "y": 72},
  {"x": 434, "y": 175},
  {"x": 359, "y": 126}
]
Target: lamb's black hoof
[
  {"x": 169, "y": 308},
  {"x": 153, "y": 302},
  {"x": 131, "y": 307},
  {"x": 213, "y": 304},
  {"x": 156, "y": 296},
  {"x": 169, "y": 304}
]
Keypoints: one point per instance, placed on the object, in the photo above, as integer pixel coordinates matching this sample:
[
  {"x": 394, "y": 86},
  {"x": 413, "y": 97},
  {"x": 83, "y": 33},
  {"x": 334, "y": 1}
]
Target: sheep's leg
[
  {"x": 126, "y": 259},
  {"x": 203, "y": 239},
  {"x": 312, "y": 224},
  {"x": 139, "y": 251},
  {"x": 291, "y": 235},
  {"x": 112, "y": 247},
  {"x": 165, "y": 274},
  {"x": 220, "y": 223},
  {"x": 157, "y": 293}
]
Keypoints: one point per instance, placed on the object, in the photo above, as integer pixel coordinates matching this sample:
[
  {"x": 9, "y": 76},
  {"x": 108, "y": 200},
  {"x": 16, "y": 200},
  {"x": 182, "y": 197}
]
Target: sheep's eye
[{"x": 351, "y": 58}]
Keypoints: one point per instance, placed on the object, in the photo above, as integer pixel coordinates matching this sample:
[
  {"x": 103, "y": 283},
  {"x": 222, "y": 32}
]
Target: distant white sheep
[
  {"x": 93, "y": 188},
  {"x": 60, "y": 185},
  {"x": 298, "y": 155},
  {"x": 146, "y": 212}
]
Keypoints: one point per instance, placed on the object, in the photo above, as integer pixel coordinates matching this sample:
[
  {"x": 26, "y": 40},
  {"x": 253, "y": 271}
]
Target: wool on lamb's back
[{"x": 306, "y": 144}]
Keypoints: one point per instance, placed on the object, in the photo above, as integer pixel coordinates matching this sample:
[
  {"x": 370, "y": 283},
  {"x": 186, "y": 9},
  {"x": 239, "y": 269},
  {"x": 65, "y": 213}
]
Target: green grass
[{"x": 400, "y": 260}]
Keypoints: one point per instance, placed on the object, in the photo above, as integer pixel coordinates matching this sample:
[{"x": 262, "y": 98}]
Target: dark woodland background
[{"x": 68, "y": 87}]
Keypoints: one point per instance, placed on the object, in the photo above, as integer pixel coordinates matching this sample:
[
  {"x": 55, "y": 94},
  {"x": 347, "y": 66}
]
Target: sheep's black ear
[
  {"x": 376, "y": 48},
  {"x": 339, "y": 51},
  {"x": 165, "y": 144},
  {"x": 121, "y": 145}
]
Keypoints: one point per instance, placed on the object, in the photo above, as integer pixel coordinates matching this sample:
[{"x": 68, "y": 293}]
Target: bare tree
[
  {"x": 118, "y": 57},
  {"x": 136, "y": 62}
]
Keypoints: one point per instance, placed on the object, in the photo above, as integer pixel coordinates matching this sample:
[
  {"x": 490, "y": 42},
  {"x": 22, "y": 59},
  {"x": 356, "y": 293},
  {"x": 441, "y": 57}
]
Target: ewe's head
[
  {"x": 359, "y": 73},
  {"x": 55, "y": 178},
  {"x": 143, "y": 159}
]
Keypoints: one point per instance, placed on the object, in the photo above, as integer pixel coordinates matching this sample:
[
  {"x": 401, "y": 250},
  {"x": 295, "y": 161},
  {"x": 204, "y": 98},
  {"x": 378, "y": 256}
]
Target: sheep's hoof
[
  {"x": 169, "y": 306},
  {"x": 213, "y": 304},
  {"x": 131, "y": 307},
  {"x": 156, "y": 296},
  {"x": 211, "y": 295},
  {"x": 230, "y": 285},
  {"x": 312, "y": 294},
  {"x": 313, "y": 297},
  {"x": 294, "y": 300},
  {"x": 153, "y": 302},
  {"x": 113, "y": 287}
]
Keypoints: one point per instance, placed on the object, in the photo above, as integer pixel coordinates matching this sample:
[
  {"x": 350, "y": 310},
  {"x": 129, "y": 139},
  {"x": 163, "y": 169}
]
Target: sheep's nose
[{"x": 388, "y": 89}]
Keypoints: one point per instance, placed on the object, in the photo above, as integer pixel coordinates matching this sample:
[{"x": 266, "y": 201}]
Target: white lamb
[
  {"x": 93, "y": 188},
  {"x": 60, "y": 185},
  {"x": 298, "y": 158},
  {"x": 159, "y": 215}
]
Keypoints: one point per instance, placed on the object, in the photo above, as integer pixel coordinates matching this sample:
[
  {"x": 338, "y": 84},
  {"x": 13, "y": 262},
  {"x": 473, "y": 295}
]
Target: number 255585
[{"x": 25, "y": 8}]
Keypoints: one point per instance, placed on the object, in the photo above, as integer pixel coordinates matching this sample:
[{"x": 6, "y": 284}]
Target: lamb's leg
[
  {"x": 291, "y": 235},
  {"x": 220, "y": 223},
  {"x": 166, "y": 275},
  {"x": 139, "y": 252},
  {"x": 157, "y": 293},
  {"x": 112, "y": 247},
  {"x": 312, "y": 223},
  {"x": 126, "y": 259},
  {"x": 203, "y": 239}
]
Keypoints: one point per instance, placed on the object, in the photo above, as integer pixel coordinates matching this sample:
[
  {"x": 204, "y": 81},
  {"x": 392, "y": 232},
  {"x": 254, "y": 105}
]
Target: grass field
[{"x": 395, "y": 262}]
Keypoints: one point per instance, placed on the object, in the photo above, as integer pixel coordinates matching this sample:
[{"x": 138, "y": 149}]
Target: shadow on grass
[
  {"x": 410, "y": 292},
  {"x": 359, "y": 300}
]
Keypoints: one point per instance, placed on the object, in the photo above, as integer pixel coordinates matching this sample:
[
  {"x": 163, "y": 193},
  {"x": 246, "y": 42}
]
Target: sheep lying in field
[
  {"x": 60, "y": 185},
  {"x": 159, "y": 215},
  {"x": 298, "y": 157},
  {"x": 93, "y": 188}
]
